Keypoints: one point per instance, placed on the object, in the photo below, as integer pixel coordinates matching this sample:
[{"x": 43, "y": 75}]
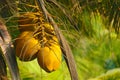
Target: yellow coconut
[
  {"x": 49, "y": 57},
  {"x": 26, "y": 46}
]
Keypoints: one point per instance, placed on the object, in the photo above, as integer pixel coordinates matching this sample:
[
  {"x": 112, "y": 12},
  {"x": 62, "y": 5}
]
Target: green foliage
[
  {"x": 32, "y": 71},
  {"x": 110, "y": 75}
]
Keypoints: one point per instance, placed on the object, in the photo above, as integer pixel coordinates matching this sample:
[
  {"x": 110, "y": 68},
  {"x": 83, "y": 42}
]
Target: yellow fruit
[
  {"x": 49, "y": 58},
  {"x": 26, "y": 46}
]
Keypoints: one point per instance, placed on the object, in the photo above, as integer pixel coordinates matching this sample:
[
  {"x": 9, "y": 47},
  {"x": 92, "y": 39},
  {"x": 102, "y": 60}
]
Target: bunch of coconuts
[{"x": 37, "y": 39}]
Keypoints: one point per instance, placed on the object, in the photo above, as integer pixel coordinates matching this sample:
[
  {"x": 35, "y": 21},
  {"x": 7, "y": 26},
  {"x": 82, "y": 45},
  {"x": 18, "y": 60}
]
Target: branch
[
  {"x": 8, "y": 52},
  {"x": 65, "y": 47},
  {"x": 3, "y": 69}
]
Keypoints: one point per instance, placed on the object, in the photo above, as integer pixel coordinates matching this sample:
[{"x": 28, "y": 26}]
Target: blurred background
[{"x": 92, "y": 29}]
